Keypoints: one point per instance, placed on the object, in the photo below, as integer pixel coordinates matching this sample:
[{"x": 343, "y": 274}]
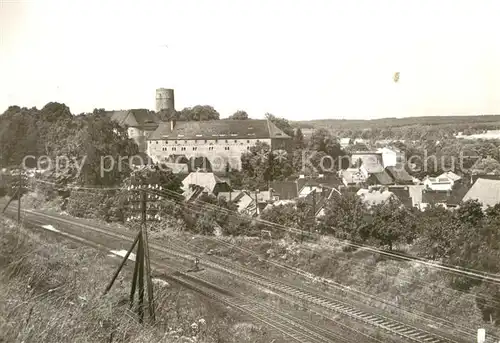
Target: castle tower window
[
  {"x": 227, "y": 141},
  {"x": 235, "y": 141},
  {"x": 205, "y": 140},
  {"x": 248, "y": 141}
]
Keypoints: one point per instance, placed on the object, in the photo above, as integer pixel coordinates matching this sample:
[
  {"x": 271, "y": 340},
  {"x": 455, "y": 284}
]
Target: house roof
[
  {"x": 485, "y": 191},
  {"x": 262, "y": 196},
  {"x": 134, "y": 118},
  {"x": 370, "y": 161},
  {"x": 178, "y": 168},
  {"x": 382, "y": 178},
  {"x": 403, "y": 194},
  {"x": 438, "y": 180},
  {"x": 375, "y": 197},
  {"x": 450, "y": 175},
  {"x": 453, "y": 197},
  {"x": 327, "y": 181},
  {"x": 352, "y": 176},
  {"x": 285, "y": 189},
  {"x": 193, "y": 193},
  {"x": 219, "y": 129},
  {"x": 321, "y": 199},
  {"x": 234, "y": 196},
  {"x": 475, "y": 177},
  {"x": 205, "y": 180},
  {"x": 399, "y": 174},
  {"x": 345, "y": 140}
]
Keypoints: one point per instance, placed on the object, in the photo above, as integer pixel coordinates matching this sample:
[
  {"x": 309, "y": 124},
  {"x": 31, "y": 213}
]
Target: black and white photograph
[{"x": 232, "y": 171}]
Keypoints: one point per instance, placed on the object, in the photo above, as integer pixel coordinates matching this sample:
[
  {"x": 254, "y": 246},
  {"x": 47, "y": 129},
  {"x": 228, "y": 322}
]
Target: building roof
[
  {"x": 234, "y": 196},
  {"x": 475, "y": 177},
  {"x": 321, "y": 199},
  {"x": 178, "y": 168},
  {"x": 218, "y": 129},
  {"x": 241, "y": 198},
  {"x": 486, "y": 191},
  {"x": 399, "y": 174},
  {"x": 403, "y": 194},
  {"x": 438, "y": 180},
  {"x": 206, "y": 180},
  {"x": 450, "y": 175},
  {"x": 135, "y": 118},
  {"x": 388, "y": 150},
  {"x": 453, "y": 197},
  {"x": 345, "y": 141},
  {"x": 374, "y": 197},
  {"x": 370, "y": 161},
  {"x": 285, "y": 189},
  {"x": 324, "y": 180},
  {"x": 194, "y": 193},
  {"x": 352, "y": 176},
  {"x": 382, "y": 178}
]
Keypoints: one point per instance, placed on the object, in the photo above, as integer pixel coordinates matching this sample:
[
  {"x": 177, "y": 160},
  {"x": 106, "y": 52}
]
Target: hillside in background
[
  {"x": 413, "y": 128},
  {"x": 357, "y": 124}
]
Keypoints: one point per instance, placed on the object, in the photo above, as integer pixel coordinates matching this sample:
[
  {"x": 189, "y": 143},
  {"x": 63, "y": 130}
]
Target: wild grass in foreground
[{"x": 51, "y": 291}]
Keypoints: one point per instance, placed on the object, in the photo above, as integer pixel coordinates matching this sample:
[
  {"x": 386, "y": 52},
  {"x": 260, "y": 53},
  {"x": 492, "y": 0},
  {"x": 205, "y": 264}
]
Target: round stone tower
[{"x": 164, "y": 99}]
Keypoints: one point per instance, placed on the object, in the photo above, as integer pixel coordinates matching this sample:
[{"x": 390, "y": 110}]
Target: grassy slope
[{"x": 50, "y": 291}]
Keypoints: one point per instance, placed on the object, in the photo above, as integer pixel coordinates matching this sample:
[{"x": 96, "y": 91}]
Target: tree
[
  {"x": 322, "y": 141},
  {"x": 54, "y": 111},
  {"x": 345, "y": 217},
  {"x": 260, "y": 166},
  {"x": 293, "y": 215},
  {"x": 486, "y": 166},
  {"x": 435, "y": 228},
  {"x": 102, "y": 141},
  {"x": 154, "y": 175},
  {"x": 298, "y": 139},
  {"x": 392, "y": 223},
  {"x": 198, "y": 113},
  {"x": 239, "y": 115}
]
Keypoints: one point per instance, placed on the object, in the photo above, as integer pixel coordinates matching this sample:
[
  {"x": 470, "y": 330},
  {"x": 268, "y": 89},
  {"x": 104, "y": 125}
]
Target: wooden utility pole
[
  {"x": 142, "y": 267},
  {"x": 314, "y": 210},
  {"x": 257, "y": 202},
  {"x": 19, "y": 194}
]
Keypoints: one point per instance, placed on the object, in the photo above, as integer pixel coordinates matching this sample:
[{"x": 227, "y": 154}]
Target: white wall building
[
  {"x": 219, "y": 141},
  {"x": 438, "y": 183}
]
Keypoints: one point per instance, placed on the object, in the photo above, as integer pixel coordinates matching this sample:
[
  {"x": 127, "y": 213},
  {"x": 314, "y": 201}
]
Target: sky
[{"x": 311, "y": 59}]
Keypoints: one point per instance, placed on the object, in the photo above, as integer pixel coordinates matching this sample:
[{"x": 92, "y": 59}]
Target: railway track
[
  {"x": 293, "y": 328},
  {"x": 401, "y": 330}
]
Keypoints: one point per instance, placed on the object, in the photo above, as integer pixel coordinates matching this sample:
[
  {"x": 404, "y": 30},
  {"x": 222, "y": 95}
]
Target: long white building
[{"x": 219, "y": 141}]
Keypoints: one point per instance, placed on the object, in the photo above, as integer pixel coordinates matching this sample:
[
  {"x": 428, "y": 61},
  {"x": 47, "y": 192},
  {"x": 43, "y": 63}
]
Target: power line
[
  {"x": 472, "y": 273},
  {"x": 345, "y": 288}
]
